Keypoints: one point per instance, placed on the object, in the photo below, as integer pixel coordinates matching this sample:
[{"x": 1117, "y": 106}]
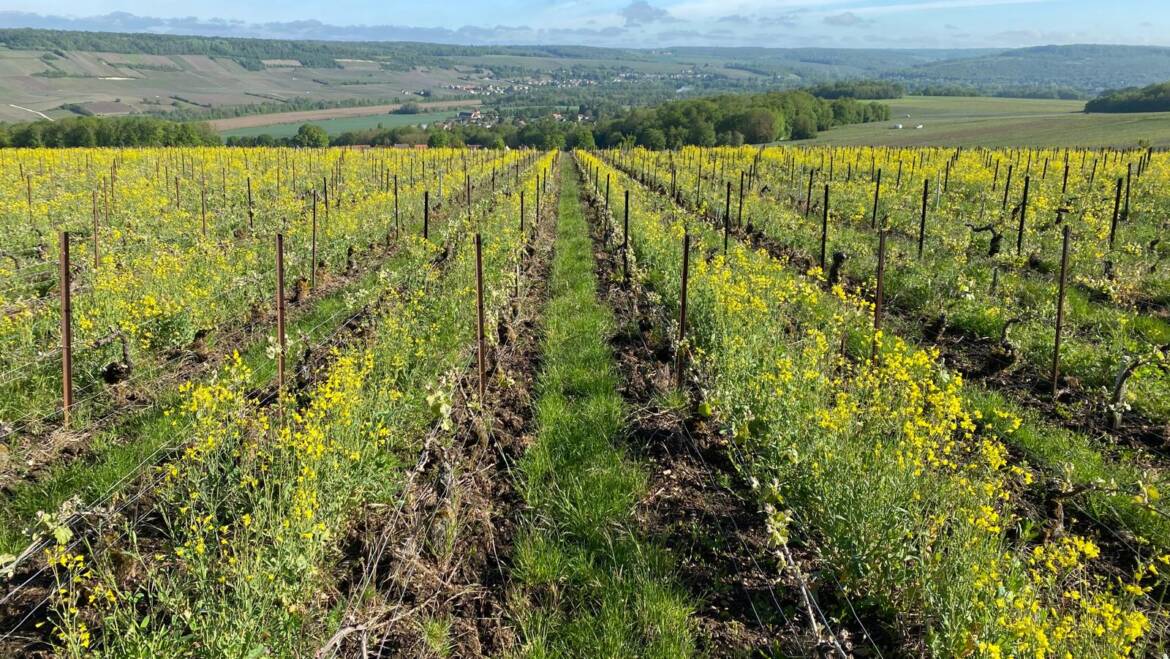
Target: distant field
[
  {"x": 948, "y": 121},
  {"x": 339, "y": 125},
  {"x": 226, "y": 126}
]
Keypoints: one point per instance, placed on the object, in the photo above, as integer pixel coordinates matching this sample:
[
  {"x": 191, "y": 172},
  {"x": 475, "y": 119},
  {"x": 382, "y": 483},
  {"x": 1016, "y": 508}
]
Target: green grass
[
  {"x": 589, "y": 585},
  {"x": 991, "y": 122},
  {"x": 343, "y": 124}
]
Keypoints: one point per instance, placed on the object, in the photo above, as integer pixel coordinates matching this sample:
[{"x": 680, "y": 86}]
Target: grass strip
[{"x": 588, "y": 585}]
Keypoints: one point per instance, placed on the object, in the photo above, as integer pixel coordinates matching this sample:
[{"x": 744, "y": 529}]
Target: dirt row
[
  {"x": 444, "y": 555},
  {"x": 24, "y": 609},
  {"x": 751, "y": 602}
]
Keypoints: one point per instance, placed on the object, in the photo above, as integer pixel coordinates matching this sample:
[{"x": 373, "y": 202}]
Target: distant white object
[
  {"x": 918, "y": 127},
  {"x": 907, "y": 116},
  {"x": 897, "y": 126}
]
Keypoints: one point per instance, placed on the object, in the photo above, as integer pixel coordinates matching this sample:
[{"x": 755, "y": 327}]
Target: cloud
[
  {"x": 845, "y": 19},
  {"x": 640, "y": 12}
]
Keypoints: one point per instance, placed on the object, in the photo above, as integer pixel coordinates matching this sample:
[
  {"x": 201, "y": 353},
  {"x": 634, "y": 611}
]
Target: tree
[
  {"x": 652, "y": 138},
  {"x": 311, "y": 136},
  {"x": 439, "y": 139},
  {"x": 702, "y": 134},
  {"x": 580, "y": 138},
  {"x": 757, "y": 126},
  {"x": 804, "y": 127}
]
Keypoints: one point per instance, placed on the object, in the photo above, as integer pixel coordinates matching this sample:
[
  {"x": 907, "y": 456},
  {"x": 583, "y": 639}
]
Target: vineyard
[{"x": 716, "y": 401}]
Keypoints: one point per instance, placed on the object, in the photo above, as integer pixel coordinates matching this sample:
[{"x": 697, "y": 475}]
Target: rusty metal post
[
  {"x": 808, "y": 196},
  {"x": 824, "y": 227},
  {"x": 1060, "y": 311},
  {"x": 96, "y": 245},
  {"x": 280, "y": 312},
  {"x": 1128, "y": 182},
  {"x": 739, "y": 215},
  {"x": 879, "y": 297},
  {"x": 1116, "y": 212},
  {"x": 682, "y": 310},
  {"x": 251, "y": 211},
  {"x": 1007, "y": 186},
  {"x": 727, "y": 219},
  {"x": 426, "y": 214},
  {"x": 479, "y": 307},
  {"x": 626, "y": 240},
  {"x": 313, "y": 249},
  {"x": 1023, "y": 215},
  {"x": 922, "y": 217},
  {"x": 66, "y": 330}
]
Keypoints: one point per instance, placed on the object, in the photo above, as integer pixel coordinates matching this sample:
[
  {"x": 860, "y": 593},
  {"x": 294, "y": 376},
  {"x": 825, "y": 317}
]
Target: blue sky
[{"x": 646, "y": 23}]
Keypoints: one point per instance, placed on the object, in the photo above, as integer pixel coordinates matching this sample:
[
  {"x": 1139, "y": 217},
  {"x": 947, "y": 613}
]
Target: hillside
[
  {"x": 1082, "y": 68},
  {"x": 63, "y": 73}
]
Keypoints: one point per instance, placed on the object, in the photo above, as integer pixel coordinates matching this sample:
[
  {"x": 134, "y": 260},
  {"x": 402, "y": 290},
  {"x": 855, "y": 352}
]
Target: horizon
[{"x": 789, "y": 24}]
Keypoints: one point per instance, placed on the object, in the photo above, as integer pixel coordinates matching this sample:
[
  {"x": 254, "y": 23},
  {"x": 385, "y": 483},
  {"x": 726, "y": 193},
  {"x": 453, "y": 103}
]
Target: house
[{"x": 470, "y": 117}]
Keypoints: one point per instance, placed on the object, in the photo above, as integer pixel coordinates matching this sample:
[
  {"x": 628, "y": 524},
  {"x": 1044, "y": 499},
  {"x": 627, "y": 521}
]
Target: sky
[{"x": 629, "y": 23}]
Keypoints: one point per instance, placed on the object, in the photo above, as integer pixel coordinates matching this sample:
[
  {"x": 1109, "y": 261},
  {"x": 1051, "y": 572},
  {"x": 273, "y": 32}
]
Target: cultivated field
[
  {"x": 791, "y": 401},
  {"x": 339, "y": 126},
  {"x": 266, "y": 123},
  {"x": 1002, "y": 122}
]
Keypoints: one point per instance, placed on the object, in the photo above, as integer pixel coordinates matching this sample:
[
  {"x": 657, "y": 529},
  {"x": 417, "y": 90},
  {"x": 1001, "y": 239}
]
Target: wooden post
[
  {"x": 879, "y": 298},
  {"x": 922, "y": 217},
  {"x": 426, "y": 214},
  {"x": 1064, "y": 182},
  {"x": 877, "y": 191},
  {"x": 203, "y": 210},
  {"x": 682, "y": 310},
  {"x": 280, "y": 312},
  {"x": 395, "y": 205},
  {"x": 1060, "y": 310},
  {"x": 1116, "y": 212},
  {"x": 479, "y": 306},
  {"x": 66, "y": 330},
  {"x": 521, "y": 212},
  {"x": 626, "y": 240},
  {"x": 1023, "y": 214},
  {"x": 824, "y": 227}
]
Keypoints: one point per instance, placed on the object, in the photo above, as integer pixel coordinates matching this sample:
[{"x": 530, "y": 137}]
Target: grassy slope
[
  {"x": 588, "y": 584},
  {"x": 1001, "y": 122}
]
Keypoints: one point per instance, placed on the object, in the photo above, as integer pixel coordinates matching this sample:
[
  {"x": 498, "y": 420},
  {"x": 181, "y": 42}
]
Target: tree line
[
  {"x": 1152, "y": 98},
  {"x": 106, "y": 131},
  {"x": 719, "y": 120}
]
